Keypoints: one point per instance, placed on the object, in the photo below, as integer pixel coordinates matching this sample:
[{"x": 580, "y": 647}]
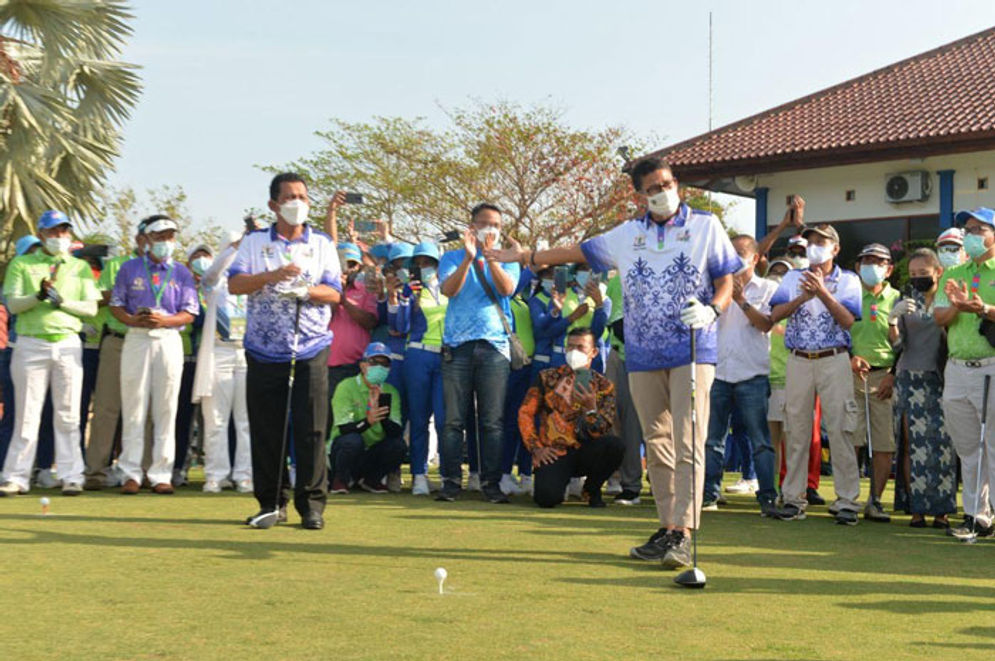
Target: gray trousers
[{"x": 626, "y": 425}]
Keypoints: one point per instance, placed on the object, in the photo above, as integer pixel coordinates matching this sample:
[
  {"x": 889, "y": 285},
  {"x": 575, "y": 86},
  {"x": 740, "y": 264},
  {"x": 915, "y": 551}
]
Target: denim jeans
[
  {"x": 749, "y": 399},
  {"x": 739, "y": 450},
  {"x": 474, "y": 368}
]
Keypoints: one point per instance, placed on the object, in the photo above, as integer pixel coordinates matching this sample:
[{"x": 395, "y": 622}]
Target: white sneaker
[
  {"x": 114, "y": 477},
  {"x": 527, "y": 484},
  {"x": 509, "y": 486},
  {"x": 419, "y": 485},
  {"x": 575, "y": 488},
  {"x": 46, "y": 479},
  {"x": 613, "y": 487},
  {"x": 473, "y": 483},
  {"x": 212, "y": 486},
  {"x": 11, "y": 489},
  {"x": 244, "y": 486},
  {"x": 394, "y": 481},
  {"x": 742, "y": 486}
]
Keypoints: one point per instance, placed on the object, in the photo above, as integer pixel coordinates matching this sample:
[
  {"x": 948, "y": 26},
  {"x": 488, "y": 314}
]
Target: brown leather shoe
[
  {"x": 130, "y": 488},
  {"x": 163, "y": 488}
]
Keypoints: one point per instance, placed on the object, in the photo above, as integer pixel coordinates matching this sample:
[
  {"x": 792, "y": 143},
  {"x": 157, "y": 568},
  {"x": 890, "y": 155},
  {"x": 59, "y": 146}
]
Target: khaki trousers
[
  {"x": 106, "y": 409},
  {"x": 831, "y": 379},
  {"x": 663, "y": 404},
  {"x": 882, "y": 424},
  {"x": 962, "y": 394}
]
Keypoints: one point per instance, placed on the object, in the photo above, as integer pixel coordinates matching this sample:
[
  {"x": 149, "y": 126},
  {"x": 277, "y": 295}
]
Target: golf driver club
[
  {"x": 694, "y": 577},
  {"x": 872, "y": 497},
  {"x": 268, "y": 519},
  {"x": 972, "y": 536}
]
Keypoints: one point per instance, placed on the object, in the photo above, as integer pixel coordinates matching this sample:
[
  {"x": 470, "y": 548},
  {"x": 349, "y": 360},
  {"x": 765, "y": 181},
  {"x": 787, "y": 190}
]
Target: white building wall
[{"x": 824, "y": 189}]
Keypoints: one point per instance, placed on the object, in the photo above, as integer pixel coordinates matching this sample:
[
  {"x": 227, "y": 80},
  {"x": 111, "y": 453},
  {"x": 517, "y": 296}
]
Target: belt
[
  {"x": 980, "y": 362},
  {"x": 540, "y": 359},
  {"x": 815, "y": 355},
  {"x": 108, "y": 331},
  {"x": 434, "y": 348}
]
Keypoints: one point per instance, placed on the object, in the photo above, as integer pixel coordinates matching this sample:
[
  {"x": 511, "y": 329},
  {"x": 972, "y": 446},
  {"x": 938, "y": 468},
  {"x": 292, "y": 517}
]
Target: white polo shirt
[
  {"x": 661, "y": 267},
  {"x": 744, "y": 350}
]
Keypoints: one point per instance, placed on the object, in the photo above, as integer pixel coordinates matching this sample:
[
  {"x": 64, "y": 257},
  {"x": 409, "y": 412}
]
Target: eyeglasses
[{"x": 978, "y": 230}]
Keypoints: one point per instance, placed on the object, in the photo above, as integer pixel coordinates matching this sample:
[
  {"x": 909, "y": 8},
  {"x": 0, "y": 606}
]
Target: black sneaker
[
  {"x": 449, "y": 493},
  {"x": 493, "y": 494},
  {"x": 813, "y": 497},
  {"x": 594, "y": 499},
  {"x": 281, "y": 516},
  {"x": 654, "y": 549},
  {"x": 963, "y": 529},
  {"x": 679, "y": 553},
  {"x": 790, "y": 513},
  {"x": 627, "y": 497},
  {"x": 768, "y": 509},
  {"x": 973, "y": 529},
  {"x": 846, "y": 518}
]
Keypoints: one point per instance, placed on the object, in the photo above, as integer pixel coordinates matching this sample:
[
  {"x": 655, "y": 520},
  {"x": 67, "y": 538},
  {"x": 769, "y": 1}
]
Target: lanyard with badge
[{"x": 157, "y": 285}]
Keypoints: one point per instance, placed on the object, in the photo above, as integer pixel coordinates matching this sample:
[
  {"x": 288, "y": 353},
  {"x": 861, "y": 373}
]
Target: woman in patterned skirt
[{"x": 927, "y": 480}]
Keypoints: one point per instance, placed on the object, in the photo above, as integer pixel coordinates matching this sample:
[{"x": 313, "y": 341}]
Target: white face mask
[
  {"x": 482, "y": 235},
  {"x": 665, "y": 203},
  {"x": 294, "y": 212},
  {"x": 950, "y": 258},
  {"x": 799, "y": 262},
  {"x": 162, "y": 249},
  {"x": 819, "y": 254},
  {"x": 200, "y": 265},
  {"x": 58, "y": 245},
  {"x": 577, "y": 360}
]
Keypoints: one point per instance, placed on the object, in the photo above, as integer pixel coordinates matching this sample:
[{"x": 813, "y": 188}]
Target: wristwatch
[
  {"x": 745, "y": 305},
  {"x": 718, "y": 310}
]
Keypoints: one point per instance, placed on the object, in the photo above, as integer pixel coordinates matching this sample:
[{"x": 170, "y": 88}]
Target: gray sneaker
[
  {"x": 846, "y": 518},
  {"x": 655, "y": 548},
  {"x": 72, "y": 488},
  {"x": 874, "y": 512},
  {"x": 679, "y": 553}
]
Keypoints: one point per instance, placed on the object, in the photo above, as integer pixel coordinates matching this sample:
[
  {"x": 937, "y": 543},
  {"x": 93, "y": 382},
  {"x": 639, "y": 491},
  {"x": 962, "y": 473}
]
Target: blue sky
[{"x": 234, "y": 84}]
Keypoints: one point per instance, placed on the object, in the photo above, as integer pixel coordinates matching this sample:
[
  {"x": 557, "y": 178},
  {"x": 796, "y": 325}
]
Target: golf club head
[
  {"x": 970, "y": 538},
  {"x": 264, "y": 521},
  {"x": 691, "y": 578}
]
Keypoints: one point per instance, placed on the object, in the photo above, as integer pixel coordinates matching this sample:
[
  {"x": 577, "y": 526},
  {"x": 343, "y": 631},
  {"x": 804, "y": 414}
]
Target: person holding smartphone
[
  {"x": 366, "y": 440},
  {"x": 575, "y": 407}
]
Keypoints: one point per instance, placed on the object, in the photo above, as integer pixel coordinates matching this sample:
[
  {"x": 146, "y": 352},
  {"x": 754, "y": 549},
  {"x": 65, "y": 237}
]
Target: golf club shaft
[
  {"x": 981, "y": 453},
  {"x": 870, "y": 446},
  {"x": 694, "y": 452},
  {"x": 290, "y": 393}
]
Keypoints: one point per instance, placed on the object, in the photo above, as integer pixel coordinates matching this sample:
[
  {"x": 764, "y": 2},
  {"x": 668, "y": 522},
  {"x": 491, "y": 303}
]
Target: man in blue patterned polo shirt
[
  {"x": 820, "y": 303},
  {"x": 276, "y": 268},
  {"x": 676, "y": 266}
]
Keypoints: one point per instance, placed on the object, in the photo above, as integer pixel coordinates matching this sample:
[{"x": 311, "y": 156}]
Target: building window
[
  {"x": 982, "y": 183},
  {"x": 851, "y": 195}
]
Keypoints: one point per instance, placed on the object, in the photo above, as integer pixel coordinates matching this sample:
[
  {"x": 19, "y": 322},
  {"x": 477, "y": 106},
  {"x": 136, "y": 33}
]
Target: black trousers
[
  {"x": 597, "y": 458},
  {"x": 337, "y": 375},
  {"x": 266, "y": 395},
  {"x": 352, "y": 460}
]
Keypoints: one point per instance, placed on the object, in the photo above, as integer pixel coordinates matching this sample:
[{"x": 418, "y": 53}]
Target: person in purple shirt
[{"x": 154, "y": 296}]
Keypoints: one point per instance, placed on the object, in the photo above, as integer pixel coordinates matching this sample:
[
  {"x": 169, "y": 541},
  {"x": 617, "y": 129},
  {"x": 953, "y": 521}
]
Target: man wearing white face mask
[
  {"x": 50, "y": 292},
  {"x": 154, "y": 296},
  {"x": 280, "y": 268},
  {"x": 950, "y": 247},
  {"x": 820, "y": 303},
  {"x": 575, "y": 407}
]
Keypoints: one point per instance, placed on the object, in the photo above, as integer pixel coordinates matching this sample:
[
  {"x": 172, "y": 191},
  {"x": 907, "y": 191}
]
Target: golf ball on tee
[
  {"x": 45, "y": 501},
  {"x": 440, "y": 574}
]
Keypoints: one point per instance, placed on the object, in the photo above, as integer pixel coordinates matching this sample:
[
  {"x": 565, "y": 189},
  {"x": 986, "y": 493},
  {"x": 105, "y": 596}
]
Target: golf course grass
[{"x": 175, "y": 577}]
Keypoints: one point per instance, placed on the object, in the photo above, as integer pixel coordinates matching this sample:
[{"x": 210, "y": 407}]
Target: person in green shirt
[
  {"x": 872, "y": 361},
  {"x": 51, "y": 292},
  {"x": 965, "y": 300},
  {"x": 366, "y": 442}
]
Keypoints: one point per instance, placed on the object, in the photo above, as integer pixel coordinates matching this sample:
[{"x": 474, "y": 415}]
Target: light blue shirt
[
  {"x": 811, "y": 327},
  {"x": 471, "y": 315},
  {"x": 661, "y": 267},
  {"x": 269, "y": 330}
]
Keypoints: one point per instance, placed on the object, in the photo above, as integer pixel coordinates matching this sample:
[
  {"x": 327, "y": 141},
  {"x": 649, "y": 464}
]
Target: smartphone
[
  {"x": 384, "y": 400},
  {"x": 354, "y": 198},
  {"x": 415, "y": 273},
  {"x": 452, "y": 235},
  {"x": 582, "y": 378},
  {"x": 365, "y": 226},
  {"x": 791, "y": 198},
  {"x": 144, "y": 311},
  {"x": 561, "y": 278}
]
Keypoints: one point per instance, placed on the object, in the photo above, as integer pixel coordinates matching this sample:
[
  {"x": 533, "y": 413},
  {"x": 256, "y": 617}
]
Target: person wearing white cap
[
  {"x": 154, "y": 296},
  {"x": 50, "y": 291},
  {"x": 219, "y": 381},
  {"x": 950, "y": 247}
]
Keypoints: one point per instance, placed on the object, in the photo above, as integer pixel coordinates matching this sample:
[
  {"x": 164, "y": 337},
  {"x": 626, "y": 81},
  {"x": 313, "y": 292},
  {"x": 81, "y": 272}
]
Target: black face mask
[{"x": 922, "y": 284}]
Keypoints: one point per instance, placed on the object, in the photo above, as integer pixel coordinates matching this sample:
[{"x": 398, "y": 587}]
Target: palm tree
[{"x": 63, "y": 98}]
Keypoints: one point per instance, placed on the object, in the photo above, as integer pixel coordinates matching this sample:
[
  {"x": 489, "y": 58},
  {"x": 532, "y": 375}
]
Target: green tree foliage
[{"x": 64, "y": 95}]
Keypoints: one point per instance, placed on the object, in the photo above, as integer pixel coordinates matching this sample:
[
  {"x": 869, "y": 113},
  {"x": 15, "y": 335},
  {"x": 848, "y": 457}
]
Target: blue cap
[
  {"x": 376, "y": 349},
  {"x": 52, "y": 218},
  {"x": 351, "y": 252},
  {"x": 399, "y": 251},
  {"x": 426, "y": 249},
  {"x": 380, "y": 251},
  {"x": 25, "y": 243},
  {"x": 984, "y": 214}
]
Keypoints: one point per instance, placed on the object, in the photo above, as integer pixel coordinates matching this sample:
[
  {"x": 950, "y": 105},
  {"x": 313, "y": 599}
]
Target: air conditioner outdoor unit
[{"x": 908, "y": 186}]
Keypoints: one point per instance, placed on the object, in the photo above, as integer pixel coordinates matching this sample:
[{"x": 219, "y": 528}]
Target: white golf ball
[
  {"x": 45, "y": 500},
  {"x": 440, "y": 574}
]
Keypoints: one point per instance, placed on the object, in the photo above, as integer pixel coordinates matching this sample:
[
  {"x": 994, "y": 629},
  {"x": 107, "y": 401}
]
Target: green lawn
[{"x": 107, "y": 576}]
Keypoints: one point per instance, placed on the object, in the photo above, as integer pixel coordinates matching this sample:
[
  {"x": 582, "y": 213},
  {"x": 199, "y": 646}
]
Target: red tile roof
[{"x": 941, "y": 101}]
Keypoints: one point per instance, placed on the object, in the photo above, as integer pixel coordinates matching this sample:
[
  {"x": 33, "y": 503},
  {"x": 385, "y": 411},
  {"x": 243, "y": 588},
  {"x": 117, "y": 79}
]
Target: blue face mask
[
  {"x": 582, "y": 277},
  {"x": 974, "y": 245},
  {"x": 428, "y": 273},
  {"x": 377, "y": 374},
  {"x": 200, "y": 265},
  {"x": 872, "y": 274},
  {"x": 547, "y": 286}
]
